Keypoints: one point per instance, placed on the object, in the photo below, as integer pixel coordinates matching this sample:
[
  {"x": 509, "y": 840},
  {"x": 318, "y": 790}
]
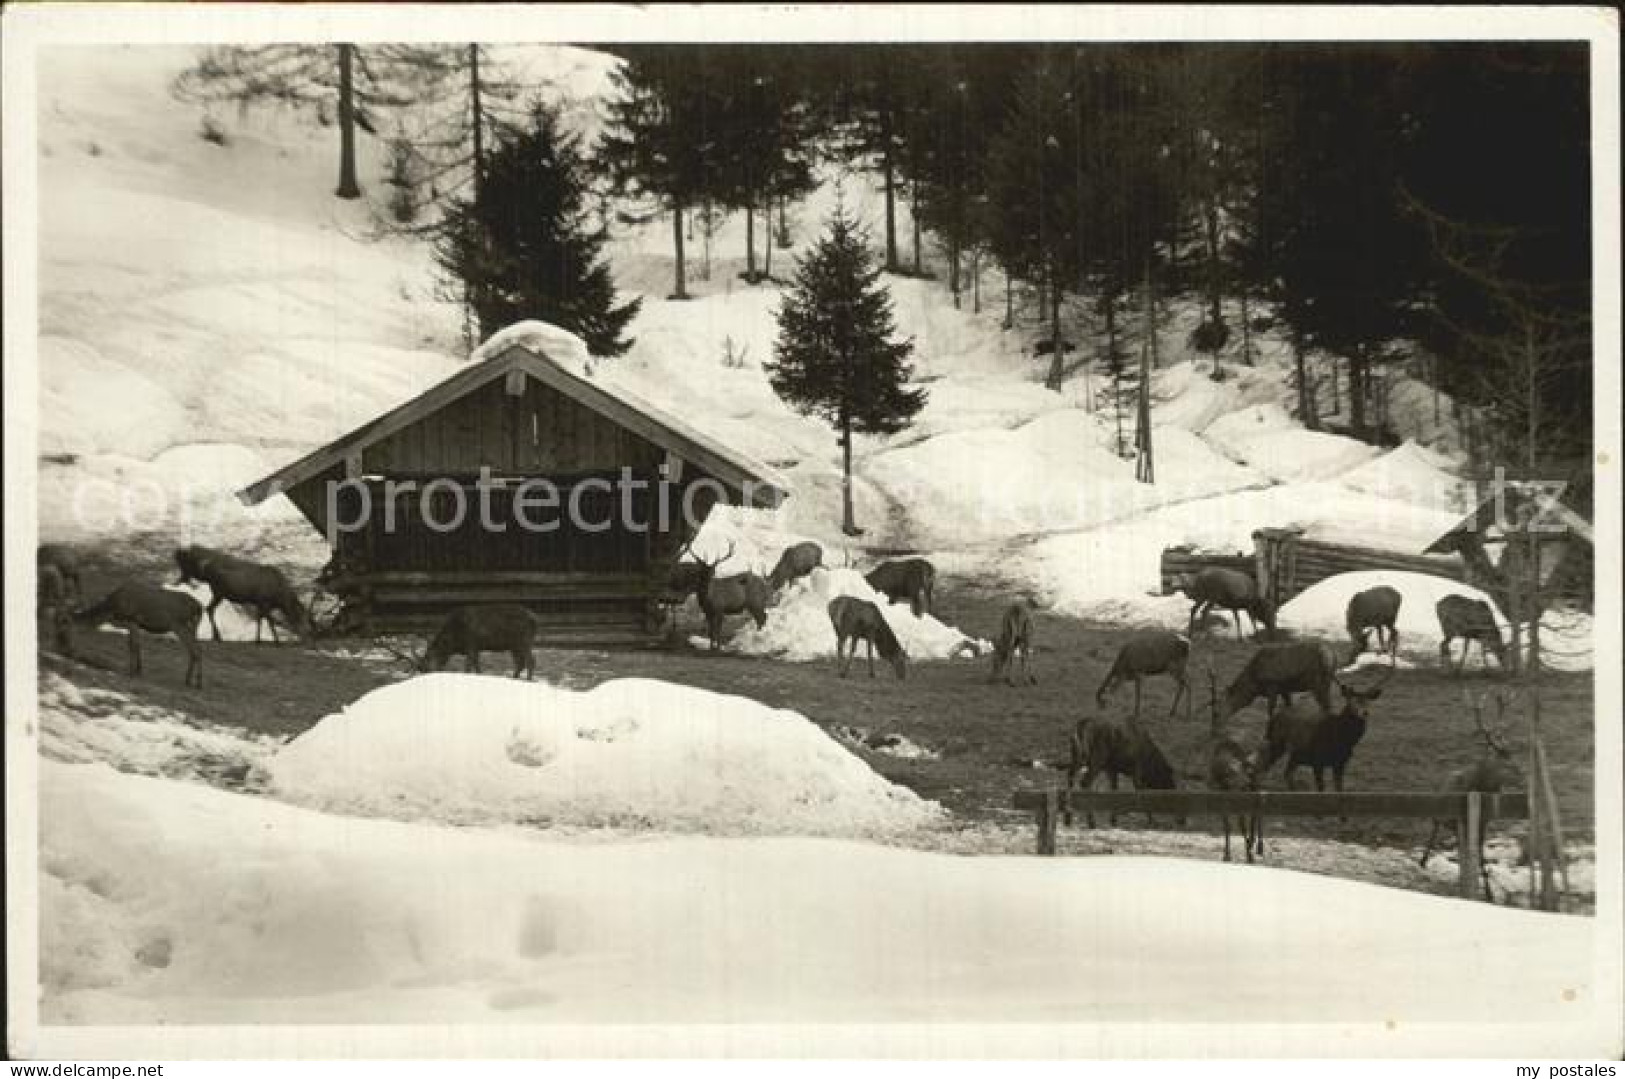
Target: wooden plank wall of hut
[{"x": 1287, "y": 563}]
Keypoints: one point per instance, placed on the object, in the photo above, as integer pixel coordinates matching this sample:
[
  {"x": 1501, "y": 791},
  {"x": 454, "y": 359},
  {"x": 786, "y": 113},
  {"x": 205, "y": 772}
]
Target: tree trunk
[
  {"x": 750, "y": 243},
  {"x": 1246, "y": 332},
  {"x": 784, "y": 238},
  {"x": 1210, "y": 225},
  {"x": 478, "y": 128},
  {"x": 953, "y": 271},
  {"x": 1357, "y": 394},
  {"x": 976, "y": 284},
  {"x": 914, "y": 214},
  {"x": 891, "y": 198},
  {"x": 348, "y": 187},
  {"x": 1306, "y": 400},
  {"x": 1058, "y": 355},
  {"x": 849, "y": 524},
  {"x": 1009, "y": 301},
  {"x": 680, "y": 292},
  {"x": 767, "y": 239}
]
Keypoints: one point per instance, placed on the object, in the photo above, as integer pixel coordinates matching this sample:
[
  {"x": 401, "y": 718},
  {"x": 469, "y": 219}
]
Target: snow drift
[
  {"x": 631, "y": 753},
  {"x": 798, "y": 627},
  {"x": 173, "y": 902}
]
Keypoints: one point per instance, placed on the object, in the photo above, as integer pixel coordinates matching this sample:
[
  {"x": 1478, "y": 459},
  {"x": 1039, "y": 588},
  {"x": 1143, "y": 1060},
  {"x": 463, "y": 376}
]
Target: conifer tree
[
  {"x": 528, "y": 248},
  {"x": 836, "y": 356}
]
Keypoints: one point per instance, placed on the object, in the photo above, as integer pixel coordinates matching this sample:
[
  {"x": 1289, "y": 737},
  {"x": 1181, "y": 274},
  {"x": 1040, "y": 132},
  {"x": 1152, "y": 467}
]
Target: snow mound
[
  {"x": 631, "y": 753},
  {"x": 82, "y": 725},
  {"x": 556, "y": 343},
  {"x": 798, "y": 628},
  {"x": 1270, "y": 440},
  {"x": 1321, "y": 608},
  {"x": 173, "y": 902},
  {"x": 1413, "y": 473}
]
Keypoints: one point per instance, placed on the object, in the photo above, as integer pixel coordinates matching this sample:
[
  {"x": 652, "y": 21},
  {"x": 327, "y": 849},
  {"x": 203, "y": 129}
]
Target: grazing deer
[
  {"x": 1015, "y": 635},
  {"x": 1276, "y": 671},
  {"x": 53, "y": 612},
  {"x": 1375, "y": 608},
  {"x": 263, "y": 589},
  {"x": 1493, "y": 772},
  {"x": 859, "y": 620},
  {"x": 1118, "y": 749},
  {"x": 65, "y": 560},
  {"x": 136, "y": 607},
  {"x": 1305, "y": 735},
  {"x": 1149, "y": 652},
  {"x": 796, "y": 562},
  {"x": 1231, "y": 589},
  {"x": 494, "y": 627},
  {"x": 912, "y": 579},
  {"x": 1231, "y": 767},
  {"x": 1472, "y": 620}
]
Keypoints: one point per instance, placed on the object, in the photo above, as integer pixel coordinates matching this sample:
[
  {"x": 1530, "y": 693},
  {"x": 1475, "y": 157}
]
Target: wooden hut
[{"x": 495, "y": 438}]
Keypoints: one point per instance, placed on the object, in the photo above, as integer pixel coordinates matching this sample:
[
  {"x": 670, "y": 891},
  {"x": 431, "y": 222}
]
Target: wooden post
[
  {"x": 1047, "y": 814},
  {"x": 1467, "y": 840}
]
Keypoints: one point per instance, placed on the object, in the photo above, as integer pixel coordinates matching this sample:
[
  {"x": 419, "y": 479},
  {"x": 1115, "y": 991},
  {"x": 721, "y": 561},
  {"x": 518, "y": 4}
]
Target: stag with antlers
[{"x": 1493, "y": 772}]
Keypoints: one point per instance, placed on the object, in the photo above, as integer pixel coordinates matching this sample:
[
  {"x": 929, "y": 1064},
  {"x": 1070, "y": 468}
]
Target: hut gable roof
[
  {"x": 735, "y": 470},
  {"x": 1520, "y": 501}
]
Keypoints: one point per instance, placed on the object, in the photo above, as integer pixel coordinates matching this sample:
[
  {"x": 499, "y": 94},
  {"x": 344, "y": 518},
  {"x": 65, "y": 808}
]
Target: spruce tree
[
  {"x": 836, "y": 356},
  {"x": 528, "y": 248}
]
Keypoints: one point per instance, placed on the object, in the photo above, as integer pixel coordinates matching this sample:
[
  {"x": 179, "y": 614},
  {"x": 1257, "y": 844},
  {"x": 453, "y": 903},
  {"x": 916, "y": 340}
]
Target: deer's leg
[
  {"x": 213, "y": 603},
  {"x": 869, "y": 653},
  {"x": 194, "y": 658},
  {"x": 474, "y": 661},
  {"x": 1427, "y": 848},
  {"x": 1179, "y": 692},
  {"x": 135, "y": 650},
  {"x": 1137, "y": 683},
  {"x": 1226, "y": 819},
  {"x": 270, "y": 620},
  {"x": 1112, "y": 819}
]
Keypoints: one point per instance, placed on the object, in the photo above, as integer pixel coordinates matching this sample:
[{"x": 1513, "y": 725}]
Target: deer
[
  {"x": 1306, "y": 735},
  {"x": 1149, "y": 652},
  {"x": 263, "y": 589},
  {"x": 912, "y": 579},
  {"x": 795, "y": 563},
  {"x": 1231, "y": 767},
  {"x": 1492, "y": 772},
  {"x": 1472, "y": 620},
  {"x": 492, "y": 627},
  {"x": 1233, "y": 590},
  {"x": 1375, "y": 608},
  {"x": 1118, "y": 749},
  {"x": 65, "y": 560},
  {"x": 1276, "y": 671},
  {"x": 723, "y": 596},
  {"x": 137, "y": 607},
  {"x": 52, "y": 610},
  {"x": 1015, "y": 635},
  {"x": 857, "y": 620}
]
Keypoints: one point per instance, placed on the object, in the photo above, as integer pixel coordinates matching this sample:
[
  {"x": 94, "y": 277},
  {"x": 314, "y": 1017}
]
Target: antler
[{"x": 715, "y": 562}]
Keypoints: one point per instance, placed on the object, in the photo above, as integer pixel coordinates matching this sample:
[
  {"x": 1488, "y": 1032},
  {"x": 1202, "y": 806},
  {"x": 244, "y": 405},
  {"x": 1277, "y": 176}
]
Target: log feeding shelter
[{"x": 523, "y": 415}]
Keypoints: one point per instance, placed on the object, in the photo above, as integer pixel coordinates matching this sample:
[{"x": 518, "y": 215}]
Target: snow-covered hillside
[{"x": 208, "y": 311}]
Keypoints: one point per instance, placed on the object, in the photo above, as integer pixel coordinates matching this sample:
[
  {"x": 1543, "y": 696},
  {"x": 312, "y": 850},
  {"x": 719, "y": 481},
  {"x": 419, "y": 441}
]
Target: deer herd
[{"x": 1313, "y": 732}]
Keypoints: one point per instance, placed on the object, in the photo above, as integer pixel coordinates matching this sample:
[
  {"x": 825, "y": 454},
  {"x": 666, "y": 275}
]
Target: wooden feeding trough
[{"x": 488, "y": 432}]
